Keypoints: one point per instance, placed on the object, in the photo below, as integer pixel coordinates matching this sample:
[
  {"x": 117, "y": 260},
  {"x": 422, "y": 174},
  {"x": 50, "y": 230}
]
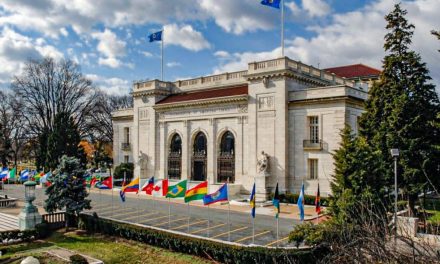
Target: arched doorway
[
  {"x": 175, "y": 157},
  {"x": 226, "y": 158},
  {"x": 198, "y": 160}
]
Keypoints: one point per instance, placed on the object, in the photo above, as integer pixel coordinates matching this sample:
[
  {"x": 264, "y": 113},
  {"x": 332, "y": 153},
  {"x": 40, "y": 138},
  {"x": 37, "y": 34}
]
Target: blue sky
[{"x": 108, "y": 38}]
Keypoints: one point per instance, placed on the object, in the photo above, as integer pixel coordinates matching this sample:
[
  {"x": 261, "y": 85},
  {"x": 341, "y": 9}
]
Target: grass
[
  {"x": 435, "y": 218},
  {"x": 107, "y": 249}
]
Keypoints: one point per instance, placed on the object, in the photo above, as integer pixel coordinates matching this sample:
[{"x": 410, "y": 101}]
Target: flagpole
[
  {"x": 113, "y": 186},
  {"x": 161, "y": 51},
  {"x": 169, "y": 212},
  {"x": 253, "y": 216},
  {"x": 229, "y": 212},
  {"x": 282, "y": 28},
  {"x": 209, "y": 218}
]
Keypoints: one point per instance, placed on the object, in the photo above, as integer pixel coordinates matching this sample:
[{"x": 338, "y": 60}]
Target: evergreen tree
[
  {"x": 357, "y": 174},
  {"x": 401, "y": 111},
  {"x": 68, "y": 191},
  {"x": 437, "y": 34},
  {"x": 64, "y": 140}
]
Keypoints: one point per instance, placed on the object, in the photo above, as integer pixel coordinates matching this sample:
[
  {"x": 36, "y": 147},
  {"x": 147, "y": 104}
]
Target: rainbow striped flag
[
  {"x": 133, "y": 186},
  {"x": 197, "y": 192}
]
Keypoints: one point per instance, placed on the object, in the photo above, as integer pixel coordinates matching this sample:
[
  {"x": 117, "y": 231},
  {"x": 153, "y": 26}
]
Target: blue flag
[
  {"x": 252, "y": 201},
  {"x": 301, "y": 203},
  {"x": 122, "y": 195},
  {"x": 220, "y": 195},
  {"x": 156, "y": 36},
  {"x": 24, "y": 175},
  {"x": 271, "y": 3},
  {"x": 4, "y": 173},
  {"x": 276, "y": 201}
]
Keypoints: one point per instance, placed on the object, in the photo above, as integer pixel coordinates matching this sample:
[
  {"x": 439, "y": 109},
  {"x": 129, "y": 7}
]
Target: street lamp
[
  {"x": 395, "y": 154},
  {"x": 29, "y": 216}
]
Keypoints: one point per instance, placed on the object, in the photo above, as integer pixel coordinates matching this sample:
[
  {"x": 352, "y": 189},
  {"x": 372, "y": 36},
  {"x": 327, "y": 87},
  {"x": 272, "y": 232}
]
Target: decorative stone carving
[
  {"x": 266, "y": 103},
  {"x": 263, "y": 164},
  {"x": 243, "y": 109},
  {"x": 142, "y": 160}
]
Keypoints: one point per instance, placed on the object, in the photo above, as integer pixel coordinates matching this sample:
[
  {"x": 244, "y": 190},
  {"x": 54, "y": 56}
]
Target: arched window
[
  {"x": 226, "y": 158},
  {"x": 175, "y": 157},
  {"x": 198, "y": 160}
]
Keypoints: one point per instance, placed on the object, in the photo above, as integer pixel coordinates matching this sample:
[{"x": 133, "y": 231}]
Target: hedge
[
  {"x": 293, "y": 199},
  {"x": 41, "y": 230},
  {"x": 224, "y": 253}
]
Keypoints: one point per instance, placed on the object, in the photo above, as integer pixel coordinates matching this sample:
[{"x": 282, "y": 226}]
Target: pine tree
[
  {"x": 68, "y": 191},
  {"x": 437, "y": 34},
  {"x": 401, "y": 111},
  {"x": 357, "y": 174},
  {"x": 64, "y": 140}
]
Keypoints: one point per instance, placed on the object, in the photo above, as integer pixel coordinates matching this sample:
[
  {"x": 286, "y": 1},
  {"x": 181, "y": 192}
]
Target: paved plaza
[{"x": 201, "y": 221}]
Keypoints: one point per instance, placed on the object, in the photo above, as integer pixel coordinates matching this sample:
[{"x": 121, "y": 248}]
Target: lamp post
[
  {"x": 395, "y": 155},
  {"x": 29, "y": 216}
]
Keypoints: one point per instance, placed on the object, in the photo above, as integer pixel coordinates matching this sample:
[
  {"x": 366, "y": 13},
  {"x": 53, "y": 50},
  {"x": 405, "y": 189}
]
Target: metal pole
[
  {"x": 282, "y": 28},
  {"x": 161, "y": 50},
  {"x": 169, "y": 212},
  {"x": 209, "y": 218},
  {"x": 188, "y": 216},
  {"x": 278, "y": 230},
  {"x": 395, "y": 200},
  {"x": 113, "y": 186},
  {"x": 253, "y": 230},
  {"x": 138, "y": 206},
  {"x": 229, "y": 212}
]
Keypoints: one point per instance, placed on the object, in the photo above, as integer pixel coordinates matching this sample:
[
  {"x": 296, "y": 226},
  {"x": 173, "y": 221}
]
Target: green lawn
[
  {"x": 107, "y": 249},
  {"x": 435, "y": 218}
]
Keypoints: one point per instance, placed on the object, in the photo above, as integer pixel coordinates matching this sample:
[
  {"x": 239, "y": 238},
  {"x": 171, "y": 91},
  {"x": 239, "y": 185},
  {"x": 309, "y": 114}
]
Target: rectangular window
[
  {"x": 126, "y": 159},
  {"x": 313, "y": 169},
  {"x": 314, "y": 129},
  {"x": 127, "y": 135}
]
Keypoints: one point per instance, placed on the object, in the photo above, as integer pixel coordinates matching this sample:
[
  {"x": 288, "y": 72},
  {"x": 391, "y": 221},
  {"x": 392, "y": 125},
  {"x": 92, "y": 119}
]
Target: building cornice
[
  {"x": 150, "y": 93},
  {"x": 287, "y": 74},
  {"x": 335, "y": 99},
  {"x": 204, "y": 102}
]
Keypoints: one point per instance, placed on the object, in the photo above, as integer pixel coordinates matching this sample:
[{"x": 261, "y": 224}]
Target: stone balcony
[
  {"x": 125, "y": 146},
  {"x": 312, "y": 144}
]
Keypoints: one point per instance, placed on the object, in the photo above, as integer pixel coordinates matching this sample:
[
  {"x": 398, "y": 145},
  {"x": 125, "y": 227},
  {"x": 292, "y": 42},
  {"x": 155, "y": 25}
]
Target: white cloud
[
  {"x": 173, "y": 64},
  {"x": 146, "y": 54},
  {"x": 240, "y": 16},
  {"x": 184, "y": 36},
  {"x": 316, "y": 8},
  {"x": 110, "y": 47},
  {"x": 110, "y": 85},
  {"x": 16, "y": 49},
  {"x": 355, "y": 37},
  {"x": 221, "y": 54}
]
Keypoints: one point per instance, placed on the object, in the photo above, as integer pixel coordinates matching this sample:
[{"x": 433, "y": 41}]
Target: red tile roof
[
  {"x": 353, "y": 71},
  {"x": 207, "y": 94}
]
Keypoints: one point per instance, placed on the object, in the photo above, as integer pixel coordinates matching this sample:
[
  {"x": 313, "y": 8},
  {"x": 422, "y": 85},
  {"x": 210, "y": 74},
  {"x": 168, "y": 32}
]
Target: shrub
[
  {"x": 78, "y": 259},
  {"x": 27, "y": 235},
  {"x": 124, "y": 167},
  {"x": 224, "y": 253},
  {"x": 293, "y": 199},
  {"x": 43, "y": 230}
]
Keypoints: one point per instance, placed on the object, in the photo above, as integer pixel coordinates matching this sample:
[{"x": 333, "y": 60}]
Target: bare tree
[
  {"x": 13, "y": 130},
  {"x": 48, "y": 87},
  {"x": 101, "y": 120}
]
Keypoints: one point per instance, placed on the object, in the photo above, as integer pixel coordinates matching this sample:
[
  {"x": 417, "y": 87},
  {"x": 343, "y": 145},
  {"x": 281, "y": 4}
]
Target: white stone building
[{"x": 216, "y": 127}]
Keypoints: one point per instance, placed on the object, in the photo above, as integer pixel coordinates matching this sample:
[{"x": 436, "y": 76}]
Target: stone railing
[
  {"x": 228, "y": 78},
  {"x": 327, "y": 92},
  {"x": 126, "y": 112},
  {"x": 8, "y": 202},
  {"x": 297, "y": 66},
  {"x": 55, "y": 220}
]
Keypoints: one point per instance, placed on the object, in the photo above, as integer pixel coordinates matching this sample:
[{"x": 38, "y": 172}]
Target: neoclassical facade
[{"x": 277, "y": 121}]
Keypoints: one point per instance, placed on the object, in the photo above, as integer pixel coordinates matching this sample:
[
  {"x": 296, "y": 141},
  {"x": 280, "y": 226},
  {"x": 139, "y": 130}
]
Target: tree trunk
[{"x": 412, "y": 198}]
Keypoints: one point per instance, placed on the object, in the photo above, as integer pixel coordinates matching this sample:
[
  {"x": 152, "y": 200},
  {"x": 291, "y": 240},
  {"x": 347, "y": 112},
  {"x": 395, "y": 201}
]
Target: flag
[
  {"x": 122, "y": 195},
  {"x": 157, "y": 36},
  {"x": 93, "y": 182},
  {"x": 133, "y": 186},
  {"x": 45, "y": 179},
  {"x": 197, "y": 192},
  {"x": 161, "y": 188},
  {"x": 24, "y": 175},
  {"x": 12, "y": 173},
  {"x": 105, "y": 184},
  {"x": 276, "y": 201},
  {"x": 318, "y": 202},
  {"x": 38, "y": 176},
  {"x": 252, "y": 201},
  {"x": 4, "y": 173},
  {"x": 301, "y": 203},
  {"x": 148, "y": 186},
  {"x": 218, "y": 196},
  {"x": 271, "y": 3},
  {"x": 177, "y": 190}
]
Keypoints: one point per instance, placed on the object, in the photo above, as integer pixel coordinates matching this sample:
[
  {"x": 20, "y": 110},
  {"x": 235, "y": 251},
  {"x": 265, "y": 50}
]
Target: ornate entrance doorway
[
  {"x": 175, "y": 157},
  {"x": 198, "y": 159},
  {"x": 226, "y": 158}
]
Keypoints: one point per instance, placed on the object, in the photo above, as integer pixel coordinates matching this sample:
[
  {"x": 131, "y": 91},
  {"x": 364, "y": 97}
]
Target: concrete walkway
[{"x": 8, "y": 222}]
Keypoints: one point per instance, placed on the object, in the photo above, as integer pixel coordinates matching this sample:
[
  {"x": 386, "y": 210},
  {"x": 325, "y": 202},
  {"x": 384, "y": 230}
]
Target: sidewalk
[{"x": 288, "y": 211}]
